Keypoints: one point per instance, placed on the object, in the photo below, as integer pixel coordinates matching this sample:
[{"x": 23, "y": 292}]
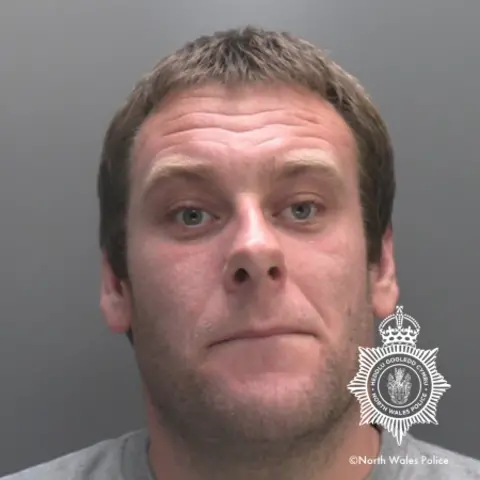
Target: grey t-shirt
[{"x": 125, "y": 458}]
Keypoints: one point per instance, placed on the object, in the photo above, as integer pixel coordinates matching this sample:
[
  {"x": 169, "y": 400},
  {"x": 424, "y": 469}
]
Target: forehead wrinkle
[
  {"x": 195, "y": 123},
  {"x": 218, "y": 102}
]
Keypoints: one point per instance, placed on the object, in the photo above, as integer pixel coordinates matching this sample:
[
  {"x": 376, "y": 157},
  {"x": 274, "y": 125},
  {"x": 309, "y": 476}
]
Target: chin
[
  {"x": 273, "y": 404},
  {"x": 271, "y": 387}
]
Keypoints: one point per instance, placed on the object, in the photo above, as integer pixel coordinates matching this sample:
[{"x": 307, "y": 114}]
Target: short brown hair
[{"x": 240, "y": 57}]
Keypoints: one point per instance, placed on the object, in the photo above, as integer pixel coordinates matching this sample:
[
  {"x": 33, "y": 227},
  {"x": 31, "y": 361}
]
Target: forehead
[{"x": 242, "y": 127}]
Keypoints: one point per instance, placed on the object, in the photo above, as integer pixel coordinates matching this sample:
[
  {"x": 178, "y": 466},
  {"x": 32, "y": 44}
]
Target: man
[{"x": 246, "y": 191}]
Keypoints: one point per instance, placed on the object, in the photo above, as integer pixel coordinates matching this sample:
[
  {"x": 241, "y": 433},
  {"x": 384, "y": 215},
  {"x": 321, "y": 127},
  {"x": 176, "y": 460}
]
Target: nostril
[
  {"x": 240, "y": 275},
  {"x": 274, "y": 273}
]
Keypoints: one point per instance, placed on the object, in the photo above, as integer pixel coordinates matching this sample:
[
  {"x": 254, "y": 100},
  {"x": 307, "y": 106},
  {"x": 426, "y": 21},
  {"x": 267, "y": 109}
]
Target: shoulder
[
  {"x": 442, "y": 463},
  {"x": 99, "y": 461}
]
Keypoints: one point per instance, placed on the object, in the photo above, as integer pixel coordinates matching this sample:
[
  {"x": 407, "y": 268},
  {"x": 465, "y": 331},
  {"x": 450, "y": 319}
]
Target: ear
[
  {"x": 383, "y": 279},
  {"x": 115, "y": 299}
]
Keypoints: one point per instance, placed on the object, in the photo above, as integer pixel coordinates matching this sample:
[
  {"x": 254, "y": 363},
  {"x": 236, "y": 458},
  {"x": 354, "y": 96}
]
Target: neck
[{"x": 326, "y": 459}]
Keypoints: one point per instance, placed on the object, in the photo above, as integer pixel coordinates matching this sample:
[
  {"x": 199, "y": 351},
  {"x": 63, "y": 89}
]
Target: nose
[{"x": 255, "y": 258}]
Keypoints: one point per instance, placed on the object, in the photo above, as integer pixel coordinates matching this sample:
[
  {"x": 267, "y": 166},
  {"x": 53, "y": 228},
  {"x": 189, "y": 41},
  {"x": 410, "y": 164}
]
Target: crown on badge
[{"x": 399, "y": 328}]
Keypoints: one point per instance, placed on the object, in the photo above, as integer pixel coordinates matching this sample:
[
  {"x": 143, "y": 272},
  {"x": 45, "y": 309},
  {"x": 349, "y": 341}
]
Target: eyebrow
[
  {"x": 282, "y": 167},
  {"x": 300, "y": 162}
]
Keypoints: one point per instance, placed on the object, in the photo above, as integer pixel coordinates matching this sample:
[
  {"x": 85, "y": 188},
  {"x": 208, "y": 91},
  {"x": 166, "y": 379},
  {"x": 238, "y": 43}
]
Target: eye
[
  {"x": 301, "y": 211},
  {"x": 191, "y": 217}
]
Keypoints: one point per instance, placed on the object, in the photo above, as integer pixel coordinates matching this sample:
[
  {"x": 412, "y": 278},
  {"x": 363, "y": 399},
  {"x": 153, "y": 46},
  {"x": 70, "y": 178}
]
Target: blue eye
[
  {"x": 302, "y": 210},
  {"x": 191, "y": 217}
]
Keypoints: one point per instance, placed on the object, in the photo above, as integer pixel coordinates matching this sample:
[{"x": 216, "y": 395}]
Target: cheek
[
  {"x": 332, "y": 275},
  {"x": 169, "y": 281}
]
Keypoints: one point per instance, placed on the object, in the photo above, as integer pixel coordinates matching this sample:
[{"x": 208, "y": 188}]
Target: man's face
[{"x": 245, "y": 221}]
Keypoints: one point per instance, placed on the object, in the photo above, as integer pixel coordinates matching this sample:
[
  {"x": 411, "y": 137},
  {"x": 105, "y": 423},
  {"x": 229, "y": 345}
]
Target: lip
[{"x": 263, "y": 333}]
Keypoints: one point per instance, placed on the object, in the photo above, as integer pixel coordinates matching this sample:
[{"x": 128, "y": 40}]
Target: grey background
[{"x": 65, "y": 66}]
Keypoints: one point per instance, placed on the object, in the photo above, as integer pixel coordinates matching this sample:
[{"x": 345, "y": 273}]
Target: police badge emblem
[{"x": 398, "y": 385}]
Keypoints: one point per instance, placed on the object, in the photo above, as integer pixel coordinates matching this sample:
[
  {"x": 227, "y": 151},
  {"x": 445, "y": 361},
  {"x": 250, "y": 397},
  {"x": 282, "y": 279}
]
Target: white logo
[{"x": 397, "y": 384}]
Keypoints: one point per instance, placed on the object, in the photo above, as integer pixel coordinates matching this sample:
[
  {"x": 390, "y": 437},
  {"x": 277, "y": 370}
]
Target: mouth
[{"x": 263, "y": 333}]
